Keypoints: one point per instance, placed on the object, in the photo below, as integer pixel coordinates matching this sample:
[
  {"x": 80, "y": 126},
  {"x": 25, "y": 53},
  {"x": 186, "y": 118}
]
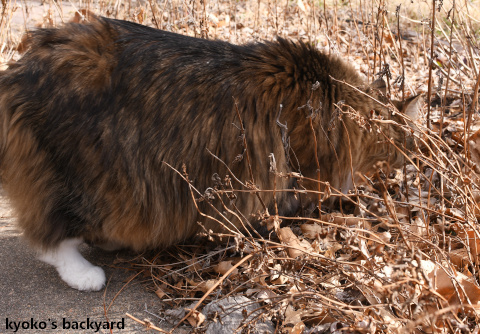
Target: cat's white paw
[
  {"x": 73, "y": 268},
  {"x": 84, "y": 278}
]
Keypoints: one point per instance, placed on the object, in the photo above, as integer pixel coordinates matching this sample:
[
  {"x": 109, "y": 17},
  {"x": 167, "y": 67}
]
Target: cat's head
[
  {"x": 411, "y": 107},
  {"x": 394, "y": 127}
]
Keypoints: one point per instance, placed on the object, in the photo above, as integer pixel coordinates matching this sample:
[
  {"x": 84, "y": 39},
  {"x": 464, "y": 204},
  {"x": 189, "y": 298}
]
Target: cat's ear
[
  {"x": 379, "y": 84},
  {"x": 411, "y": 106}
]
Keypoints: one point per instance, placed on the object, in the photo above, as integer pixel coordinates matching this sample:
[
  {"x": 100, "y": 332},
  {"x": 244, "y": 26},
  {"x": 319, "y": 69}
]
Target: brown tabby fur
[{"x": 91, "y": 112}]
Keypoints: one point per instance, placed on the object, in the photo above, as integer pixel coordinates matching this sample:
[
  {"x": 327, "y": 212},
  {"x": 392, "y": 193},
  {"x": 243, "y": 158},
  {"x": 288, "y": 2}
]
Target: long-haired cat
[{"x": 98, "y": 121}]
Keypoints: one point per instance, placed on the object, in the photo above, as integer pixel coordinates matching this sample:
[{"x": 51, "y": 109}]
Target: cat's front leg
[{"x": 73, "y": 268}]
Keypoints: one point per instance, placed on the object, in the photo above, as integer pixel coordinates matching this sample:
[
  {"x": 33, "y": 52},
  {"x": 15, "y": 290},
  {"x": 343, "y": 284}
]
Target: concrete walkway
[{"x": 33, "y": 299}]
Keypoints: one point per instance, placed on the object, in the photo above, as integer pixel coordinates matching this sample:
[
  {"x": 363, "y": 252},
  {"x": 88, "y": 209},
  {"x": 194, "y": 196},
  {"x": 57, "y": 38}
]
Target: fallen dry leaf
[
  {"x": 206, "y": 285},
  {"x": 291, "y": 316},
  {"x": 196, "y": 318},
  {"x": 469, "y": 237},
  {"x": 474, "y": 147},
  {"x": 454, "y": 286},
  {"x": 160, "y": 293},
  {"x": 298, "y": 328},
  {"x": 342, "y": 220},
  {"x": 267, "y": 296},
  {"x": 312, "y": 231},
  {"x": 277, "y": 277},
  {"x": 289, "y": 238},
  {"x": 225, "y": 266},
  {"x": 460, "y": 258}
]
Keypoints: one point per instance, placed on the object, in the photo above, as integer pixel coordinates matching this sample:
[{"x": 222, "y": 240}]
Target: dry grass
[{"x": 402, "y": 254}]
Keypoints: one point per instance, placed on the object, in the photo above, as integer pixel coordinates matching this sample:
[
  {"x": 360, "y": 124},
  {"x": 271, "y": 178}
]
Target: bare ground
[{"x": 33, "y": 295}]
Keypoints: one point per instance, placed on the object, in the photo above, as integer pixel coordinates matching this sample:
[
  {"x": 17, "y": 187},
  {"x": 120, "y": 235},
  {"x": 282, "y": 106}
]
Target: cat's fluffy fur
[{"x": 91, "y": 112}]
